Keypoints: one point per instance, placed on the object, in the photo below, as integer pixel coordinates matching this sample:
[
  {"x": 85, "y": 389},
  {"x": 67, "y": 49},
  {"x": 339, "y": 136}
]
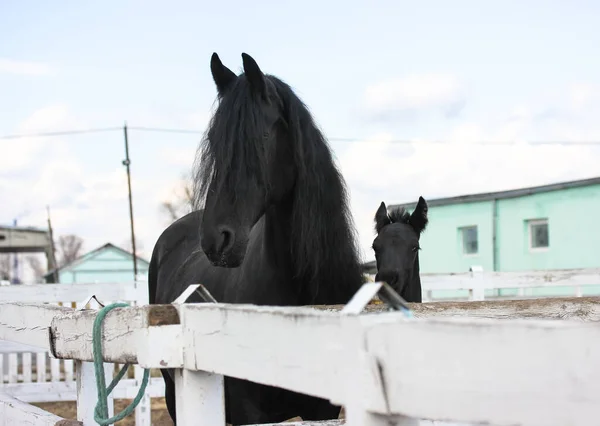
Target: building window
[
  {"x": 538, "y": 234},
  {"x": 470, "y": 243}
]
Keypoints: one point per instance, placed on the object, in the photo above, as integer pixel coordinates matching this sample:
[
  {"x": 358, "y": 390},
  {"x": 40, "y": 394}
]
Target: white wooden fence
[
  {"x": 484, "y": 285},
  {"x": 383, "y": 368},
  {"x": 48, "y": 379},
  {"x": 56, "y": 382}
]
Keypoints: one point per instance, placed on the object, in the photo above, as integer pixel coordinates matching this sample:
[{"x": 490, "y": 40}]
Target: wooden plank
[
  {"x": 122, "y": 327},
  {"x": 559, "y": 308},
  {"x": 67, "y": 391},
  {"x": 516, "y": 279},
  {"x": 534, "y": 358},
  {"x": 42, "y": 293},
  {"x": 526, "y": 372},
  {"x": 27, "y": 323},
  {"x": 234, "y": 340},
  {"x": 87, "y": 393},
  {"x": 15, "y": 412},
  {"x": 341, "y": 422},
  {"x": 200, "y": 398}
]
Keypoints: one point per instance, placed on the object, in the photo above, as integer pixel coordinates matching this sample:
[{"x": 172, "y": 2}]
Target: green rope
[{"x": 101, "y": 410}]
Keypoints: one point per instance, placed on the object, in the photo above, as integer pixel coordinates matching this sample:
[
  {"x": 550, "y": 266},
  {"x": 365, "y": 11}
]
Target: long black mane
[{"x": 323, "y": 242}]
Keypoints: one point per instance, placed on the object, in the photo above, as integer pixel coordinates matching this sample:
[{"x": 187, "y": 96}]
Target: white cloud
[
  {"x": 380, "y": 170},
  {"x": 199, "y": 119},
  {"x": 182, "y": 157},
  {"x": 11, "y": 66},
  {"x": 582, "y": 95},
  {"x": 416, "y": 92},
  {"x": 21, "y": 151}
]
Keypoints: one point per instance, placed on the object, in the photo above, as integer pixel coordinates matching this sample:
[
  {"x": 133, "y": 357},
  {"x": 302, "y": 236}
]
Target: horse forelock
[
  {"x": 399, "y": 215},
  {"x": 231, "y": 154}
]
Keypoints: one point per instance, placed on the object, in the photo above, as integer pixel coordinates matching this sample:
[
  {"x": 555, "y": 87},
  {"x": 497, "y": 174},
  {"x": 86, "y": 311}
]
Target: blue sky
[{"x": 460, "y": 72}]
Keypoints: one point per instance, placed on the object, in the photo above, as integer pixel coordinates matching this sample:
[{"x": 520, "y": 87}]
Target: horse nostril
[{"x": 226, "y": 238}]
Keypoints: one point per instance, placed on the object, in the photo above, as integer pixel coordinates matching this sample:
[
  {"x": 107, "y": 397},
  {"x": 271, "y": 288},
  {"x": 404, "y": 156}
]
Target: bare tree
[
  {"x": 4, "y": 267},
  {"x": 69, "y": 248},
  {"x": 182, "y": 201},
  {"x": 36, "y": 266}
]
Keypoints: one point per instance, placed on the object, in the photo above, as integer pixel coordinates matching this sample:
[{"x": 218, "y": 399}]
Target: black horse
[
  {"x": 397, "y": 248},
  {"x": 272, "y": 226}
]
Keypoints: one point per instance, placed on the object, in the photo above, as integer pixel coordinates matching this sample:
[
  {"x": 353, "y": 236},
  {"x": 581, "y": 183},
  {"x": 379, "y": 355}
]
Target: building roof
[
  {"x": 513, "y": 193},
  {"x": 23, "y": 228},
  {"x": 90, "y": 254}
]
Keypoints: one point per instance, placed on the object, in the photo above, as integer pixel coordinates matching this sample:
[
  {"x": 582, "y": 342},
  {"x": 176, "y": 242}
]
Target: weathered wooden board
[
  {"x": 514, "y": 279},
  {"x": 71, "y": 331},
  {"x": 560, "y": 308},
  {"x": 43, "y": 293},
  {"x": 67, "y": 391},
  {"x": 449, "y": 358},
  {"x": 341, "y": 422},
  {"x": 15, "y": 412},
  {"x": 526, "y": 372},
  {"x": 122, "y": 331},
  {"x": 27, "y": 323},
  {"x": 234, "y": 340}
]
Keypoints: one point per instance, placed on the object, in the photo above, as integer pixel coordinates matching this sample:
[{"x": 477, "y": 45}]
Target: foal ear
[
  {"x": 222, "y": 75},
  {"x": 381, "y": 217},
  {"x": 418, "y": 219},
  {"x": 255, "y": 76}
]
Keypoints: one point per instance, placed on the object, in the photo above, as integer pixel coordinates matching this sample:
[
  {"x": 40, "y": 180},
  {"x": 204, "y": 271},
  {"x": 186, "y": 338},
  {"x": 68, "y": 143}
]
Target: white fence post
[
  {"x": 143, "y": 409},
  {"x": 87, "y": 392},
  {"x": 200, "y": 398},
  {"x": 477, "y": 291}
]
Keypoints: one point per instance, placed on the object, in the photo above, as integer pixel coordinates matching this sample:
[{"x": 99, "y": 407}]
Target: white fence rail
[
  {"x": 29, "y": 372},
  {"x": 490, "y": 285},
  {"x": 380, "y": 367}
]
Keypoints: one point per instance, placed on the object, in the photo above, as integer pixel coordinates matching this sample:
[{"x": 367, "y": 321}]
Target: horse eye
[
  {"x": 266, "y": 135},
  {"x": 416, "y": 248}
]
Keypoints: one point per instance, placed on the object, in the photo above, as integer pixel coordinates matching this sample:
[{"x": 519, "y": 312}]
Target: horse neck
[
  {"x": 413, "y": 292},
  {"x": 277, "y": 237}
]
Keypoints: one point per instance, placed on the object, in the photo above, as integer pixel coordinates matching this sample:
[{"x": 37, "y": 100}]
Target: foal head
[{"x": 397, "y": 247}]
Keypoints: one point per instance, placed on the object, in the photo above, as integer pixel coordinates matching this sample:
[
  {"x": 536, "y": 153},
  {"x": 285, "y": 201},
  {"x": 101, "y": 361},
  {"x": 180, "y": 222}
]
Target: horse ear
[
  {"x": 255, "y": 76},
  {"x": 381, "y": 217},
  {"x": 418, "y": 219},
  {"x": 222, "y": 75}
]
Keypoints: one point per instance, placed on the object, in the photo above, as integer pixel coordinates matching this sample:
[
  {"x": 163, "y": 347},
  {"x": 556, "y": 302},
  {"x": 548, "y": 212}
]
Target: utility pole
[
  {"x": 51, "y": 255},
  {"x": 15, "y": 271},
  {"x": 127, "y": 163}
]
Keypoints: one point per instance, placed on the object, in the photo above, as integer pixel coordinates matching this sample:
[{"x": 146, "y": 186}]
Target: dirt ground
[
  {"x": 160, "y": 416},
  {"x": 68, "y": 410}
]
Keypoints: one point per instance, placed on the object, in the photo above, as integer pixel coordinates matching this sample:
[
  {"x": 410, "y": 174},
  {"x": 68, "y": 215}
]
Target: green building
[
  {"x": 106, "y": 264},
  {"x": 544, "y": 227},
  {"x": 539, "y": 228}
]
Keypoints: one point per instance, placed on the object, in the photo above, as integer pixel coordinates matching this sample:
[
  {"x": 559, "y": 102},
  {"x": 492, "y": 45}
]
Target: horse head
[
  {"x": 246, "y": 164},
  {"x": 396, "y": 247}
]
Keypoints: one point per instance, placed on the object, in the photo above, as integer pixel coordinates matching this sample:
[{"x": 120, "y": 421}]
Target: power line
[
  {"x": 333, "y": 139},
  {"x": 61, "y": 133},
  {"x": 164, "y": 130}
]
